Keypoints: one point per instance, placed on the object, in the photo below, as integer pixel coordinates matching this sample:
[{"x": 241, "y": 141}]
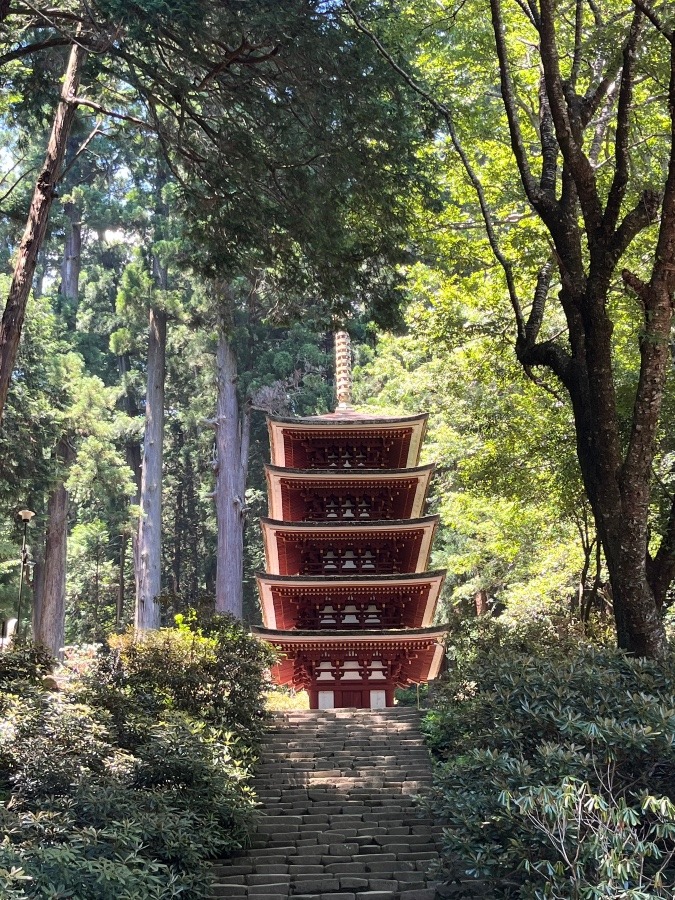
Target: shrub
[
  {"x": 24, "y": 662},
  {"x": 556, "y": 773},
  {"x": 123, "y": 786},
  {"x": 214, "y": 671}
]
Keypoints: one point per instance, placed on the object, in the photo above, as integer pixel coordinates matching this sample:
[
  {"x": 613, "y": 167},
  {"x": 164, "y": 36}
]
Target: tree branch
[
  {"x": 540, "y": 202},
  {"x": 81, "y": 149},
  {"x": 645, "y": 213},
  {"x": 28, "y": 49},
  {"x": 90, "y": 104},
  {"x": 549, "y": 145},
  {"x": 654, "y": 18},
  {"x": 661, "y": 567},
  {"x": 621, "y": 140},
  {"x": 578, "y": 34},
  {"x": 18, "y": 181},
  {"x": 579, "y": 166},
  {"x": 658, "y": 301},
  {"x": 536, "y": 316}
]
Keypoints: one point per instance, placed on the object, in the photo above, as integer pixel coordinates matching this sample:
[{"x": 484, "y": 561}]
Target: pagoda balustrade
[
  {"x": 346, "y": 454},
  {"x": 324, "y": 506},
  {"x": 382, "y": 559},
  {"x": 313, "y": 669},
  {"x": 354, "y": 614}
]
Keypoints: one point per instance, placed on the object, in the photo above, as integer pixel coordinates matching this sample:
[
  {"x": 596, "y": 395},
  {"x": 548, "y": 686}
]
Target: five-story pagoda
[{"x": 346, "y": 596}]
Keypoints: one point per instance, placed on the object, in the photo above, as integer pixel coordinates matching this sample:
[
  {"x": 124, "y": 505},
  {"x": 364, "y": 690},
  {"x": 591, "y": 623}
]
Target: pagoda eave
[
  {"x": 407, "y": 543},
  {"x": 418, "y": 652},
  {"x": 348, "y": 419},
  {"x": 285, "y": 598},
  {"x": 404, "y": 436},
  {"x": 403, "y": 491}
]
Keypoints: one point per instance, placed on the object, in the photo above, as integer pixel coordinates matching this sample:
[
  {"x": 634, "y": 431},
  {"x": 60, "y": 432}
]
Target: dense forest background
[{"x": 234, "y": 190}]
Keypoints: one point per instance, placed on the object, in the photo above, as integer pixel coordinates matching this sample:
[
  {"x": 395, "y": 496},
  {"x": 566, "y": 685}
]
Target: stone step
[{"x": 338, "y": 817}]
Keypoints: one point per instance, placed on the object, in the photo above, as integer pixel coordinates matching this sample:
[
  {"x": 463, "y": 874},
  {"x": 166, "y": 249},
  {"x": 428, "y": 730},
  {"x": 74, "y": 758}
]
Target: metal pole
[{"x": 23, "y": 566}]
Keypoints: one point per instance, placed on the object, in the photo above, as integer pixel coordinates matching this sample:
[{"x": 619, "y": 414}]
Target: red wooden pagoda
[{"x": 346, "y": 596}]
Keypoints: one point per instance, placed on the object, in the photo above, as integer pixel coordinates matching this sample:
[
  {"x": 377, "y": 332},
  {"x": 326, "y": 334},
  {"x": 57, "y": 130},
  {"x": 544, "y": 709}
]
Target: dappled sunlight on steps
[{"x": 339, "y": 819}]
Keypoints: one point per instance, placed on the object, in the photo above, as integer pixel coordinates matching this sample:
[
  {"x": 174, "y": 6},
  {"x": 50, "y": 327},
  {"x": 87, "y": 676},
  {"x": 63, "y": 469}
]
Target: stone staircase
[{"x": 339, "y": 820}]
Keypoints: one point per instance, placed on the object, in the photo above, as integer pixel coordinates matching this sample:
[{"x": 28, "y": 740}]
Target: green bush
[
  {"x": 24, "y": 662},
  {"x": 124, "y": 785},
  {"x": 556, "y": 772},
  {"x": 213, "y": 670}
]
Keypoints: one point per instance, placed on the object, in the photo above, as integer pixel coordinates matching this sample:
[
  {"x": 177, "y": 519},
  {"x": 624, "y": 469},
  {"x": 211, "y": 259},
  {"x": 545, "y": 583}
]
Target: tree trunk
[
  {"x": 121, "y": 585},
  {"x": 480, "y": 599},
  {"x": 38, "y": 578},
  {"x": 38, "y": 216},
  {"x": 51, "y": 624},
  {"x": 70, "y": 266},
  {"x": 590, "y": 230},
  {"x": 232, "y": 443},
  {"x": 149, "y": 547},
  {"x": 193, "y": 531}
]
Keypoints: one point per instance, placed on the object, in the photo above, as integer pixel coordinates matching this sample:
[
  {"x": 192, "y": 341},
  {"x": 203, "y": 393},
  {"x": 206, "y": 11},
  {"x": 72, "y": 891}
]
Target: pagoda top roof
[
  {"x": 390, "y": 441},
  {"x": 348, "y": 416}
]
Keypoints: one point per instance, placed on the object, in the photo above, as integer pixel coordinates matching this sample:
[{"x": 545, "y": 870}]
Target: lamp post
[{"x": 25, "y": 515}]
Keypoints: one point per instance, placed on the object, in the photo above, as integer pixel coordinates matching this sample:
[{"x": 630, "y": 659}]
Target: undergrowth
[
  {"x": 556, "y": 768},
  {"x": 125, "y": 784}
]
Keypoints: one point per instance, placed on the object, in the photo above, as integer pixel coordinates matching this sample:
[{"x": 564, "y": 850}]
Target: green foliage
[
  {"x": 507, "y": 486},
  {"x": 556, "y": 773},
  {"x": 24, "y": 662},
  {"x": 212, "y": 670},
  {"x": 92, "y": 583},
  {"x": 122, "y": 786}
]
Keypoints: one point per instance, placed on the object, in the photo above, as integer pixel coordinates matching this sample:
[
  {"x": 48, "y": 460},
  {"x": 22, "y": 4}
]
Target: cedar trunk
[
  {"x": 148, "y": 548},
  {"x": 49, "y": 629},
  {"x": 232, "y": 443},
  {"x": 71, "y": 266},
  {"x": 38, "y": 216}
]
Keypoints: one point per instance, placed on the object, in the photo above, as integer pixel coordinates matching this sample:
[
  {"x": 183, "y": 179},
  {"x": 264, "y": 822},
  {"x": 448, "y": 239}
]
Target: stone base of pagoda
[{"x": 341, "y": 669}]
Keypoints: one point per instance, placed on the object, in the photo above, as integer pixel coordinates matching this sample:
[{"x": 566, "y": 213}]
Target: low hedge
[{"x": 555, "y": 772}]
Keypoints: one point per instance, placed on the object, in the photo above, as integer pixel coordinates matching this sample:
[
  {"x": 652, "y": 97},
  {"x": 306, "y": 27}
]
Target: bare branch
[
  {"x": 18, "y": 181},
  {"x": 81, "y": 149},
  {"x": 645, "y": 213},
  {"x": 661, "y": 568},
  {"x": 541, "y": 290},
  {"x": 540, "y": 202},
  {"x": 637, "y": 285},
  {"x": 90, "y": 104},
  {"x": 578, "y": 35},
  {"x": 621, "y": 140},
  {"x": 658, "y": 300},
  {"x": 549, "y": 146},
  {"x": 29, "y": 49},
  {"x": 570, "y": 146}
]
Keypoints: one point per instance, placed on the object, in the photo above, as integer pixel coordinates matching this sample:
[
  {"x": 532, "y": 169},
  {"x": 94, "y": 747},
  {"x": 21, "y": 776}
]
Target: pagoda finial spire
[{"x": 343, "y": 370}]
